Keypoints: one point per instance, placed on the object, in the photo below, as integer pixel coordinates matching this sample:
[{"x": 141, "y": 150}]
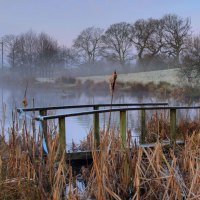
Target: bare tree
[
  {"x": 30, "y": 51},
  {"x": 117, "y": 45},
  {"x": 147, "y": 37},
  {"x": 191, "y": 60},
  {"x": 47, "y": 55},
  {"x": 176, "y": 32},
  {"x": 21, "y": 49},
  {"x": 16, "y": 51},
  {"x": 29, "y": 42},
  {"x": 155, "y": 41},
  {"x": 67, "y": 57},
  {"x": 88, "y": 44},
  {"x": 9, "y": 42}
]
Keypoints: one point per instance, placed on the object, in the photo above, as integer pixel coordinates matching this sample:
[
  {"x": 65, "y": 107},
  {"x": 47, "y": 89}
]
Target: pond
[{"x": 77, "y": 128}]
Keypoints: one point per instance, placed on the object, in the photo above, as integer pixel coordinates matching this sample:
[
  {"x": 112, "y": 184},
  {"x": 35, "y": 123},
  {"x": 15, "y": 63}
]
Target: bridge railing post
[
  {"x": 173, "y": 125},
  {"x": 123, "y": 129},
  {"x": 96, "y": 127},
  {"x": 62, "y": 137},
  {"x": 44, "y": 126},
  {"x": 143, "y": 127}
]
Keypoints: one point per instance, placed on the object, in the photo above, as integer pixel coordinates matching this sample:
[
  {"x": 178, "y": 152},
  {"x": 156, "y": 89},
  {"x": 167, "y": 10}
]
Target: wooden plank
[
  {"x": 90, "y": 106},
  {"x": 163, "y": 143},
  {"x": 112, "y": 110},
  {"x": 62, "y": 138},
  {"x": 44, "y": 127},
  {"x": 96, "y": 128},
  {"x": 79, "y": 155},
  {"x": 143, "y": 127},
  {"x": 123, "y": 127},
  {"x": 82, "y": 155},
  {"x": 173, "y": 125}
]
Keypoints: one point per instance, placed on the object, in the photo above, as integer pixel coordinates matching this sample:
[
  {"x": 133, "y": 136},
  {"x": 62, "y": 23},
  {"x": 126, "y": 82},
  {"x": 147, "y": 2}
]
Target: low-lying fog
[{"x": 76, "y": 127}]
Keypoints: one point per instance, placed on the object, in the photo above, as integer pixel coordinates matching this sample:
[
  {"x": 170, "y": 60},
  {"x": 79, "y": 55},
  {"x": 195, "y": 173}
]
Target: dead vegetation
[
  {"x": 118, "y": 172},
  {"x": 145, "y": 173}
]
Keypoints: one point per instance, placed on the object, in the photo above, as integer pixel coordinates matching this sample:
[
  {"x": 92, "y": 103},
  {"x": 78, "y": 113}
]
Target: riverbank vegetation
[
  {"x": 65, "y": 85},
  {"x": 118, "y": 172}
]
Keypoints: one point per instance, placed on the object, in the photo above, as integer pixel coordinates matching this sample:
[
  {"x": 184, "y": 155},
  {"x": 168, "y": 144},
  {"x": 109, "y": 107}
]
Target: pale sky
[{"x": 65, "y": 19}]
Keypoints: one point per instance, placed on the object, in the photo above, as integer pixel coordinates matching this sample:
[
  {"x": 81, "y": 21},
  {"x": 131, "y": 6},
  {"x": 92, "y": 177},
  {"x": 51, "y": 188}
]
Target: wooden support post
[
  {"x": 96, "y": 127},
  {"x": 143, "y": 127},
  {"x": 62, "y": 138},
  {"x": 123, "y": 127},
  {"x": 173, "y": 125},
  {"x": 44, "y": 127},
  {"x": 62, "y": 141}
]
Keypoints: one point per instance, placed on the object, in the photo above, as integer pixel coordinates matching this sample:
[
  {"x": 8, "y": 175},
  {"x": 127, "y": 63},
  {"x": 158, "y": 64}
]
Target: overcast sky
[{"x": 64, "y": 19}]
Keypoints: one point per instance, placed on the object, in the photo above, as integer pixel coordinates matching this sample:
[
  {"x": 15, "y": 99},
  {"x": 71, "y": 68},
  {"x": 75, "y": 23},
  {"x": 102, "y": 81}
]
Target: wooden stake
[
  {"x": 173, "y": 125},
  {"x": 96, "y": 127},
  {"x": 62, "y": 137},
  {"x": 143, "y": 127},
  {"x": 44, "y": 127},
  {"x": 123, "y": 127}
]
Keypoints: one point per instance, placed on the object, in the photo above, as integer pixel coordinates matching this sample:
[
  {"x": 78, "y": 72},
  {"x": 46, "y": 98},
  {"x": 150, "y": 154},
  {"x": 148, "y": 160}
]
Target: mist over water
[{"x": 77, "y": 128}]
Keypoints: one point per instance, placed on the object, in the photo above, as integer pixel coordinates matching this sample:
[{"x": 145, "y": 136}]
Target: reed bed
[
  {"x": 121, "y": 172},
  {"x": 170, "y": 172},
  {"x": 25, "y": 172}
]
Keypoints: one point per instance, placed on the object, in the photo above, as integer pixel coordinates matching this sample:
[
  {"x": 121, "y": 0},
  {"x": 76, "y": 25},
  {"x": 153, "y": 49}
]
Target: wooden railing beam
[
  {"x": 44, "y": 127},
  {"x": 143, "y": 127},
  {"x": 173, "y": 125},
  {"x": 90, "y": 106},
  {"x": 96, "y": 127},
  {"x": 123, "y": 130},
  {"x": 62, "y": 137}
]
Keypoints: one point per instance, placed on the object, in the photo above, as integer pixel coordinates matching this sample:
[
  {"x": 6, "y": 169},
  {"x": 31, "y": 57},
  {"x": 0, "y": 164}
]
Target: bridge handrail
[
  {"x": 41, "y": 118},
  {"x": 89, "y": 106},
  {"x": 123, "y": 120}
]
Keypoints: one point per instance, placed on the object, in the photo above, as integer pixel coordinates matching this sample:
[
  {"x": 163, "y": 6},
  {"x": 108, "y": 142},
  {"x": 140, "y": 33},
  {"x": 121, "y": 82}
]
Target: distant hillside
[{"x": 169, "y": 75}]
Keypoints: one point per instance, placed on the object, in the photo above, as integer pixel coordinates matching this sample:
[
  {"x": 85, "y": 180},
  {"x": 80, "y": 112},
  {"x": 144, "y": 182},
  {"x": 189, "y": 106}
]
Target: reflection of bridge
[{"x": 122, "y": 108}]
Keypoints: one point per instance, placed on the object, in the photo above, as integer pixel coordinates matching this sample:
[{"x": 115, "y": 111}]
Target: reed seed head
[
  {"x": 25, "y": 102},
  {"x": 112, "y": 81}
]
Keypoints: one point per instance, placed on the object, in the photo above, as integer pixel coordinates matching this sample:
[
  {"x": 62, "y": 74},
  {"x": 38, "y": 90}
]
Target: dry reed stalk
[
  {"x": 53, "y": 156},
  {"x": 158, "y": 127},
  {"x": 25, "y": 101},
  {"x": 112, "y": 82},
  {"x": 132, "y": 173},
  {"x": 1, "y": 168},
  {"x": 110, "y": 167},
  {"x": 59, "y": 186},
  {"x": 137, "y": 175},
  {"x": 24, "y": 162},
  {"x": 3, "y": 120}
]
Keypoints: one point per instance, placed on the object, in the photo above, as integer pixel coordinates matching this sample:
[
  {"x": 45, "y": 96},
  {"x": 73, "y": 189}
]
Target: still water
[{"x": 77, "y": 128}]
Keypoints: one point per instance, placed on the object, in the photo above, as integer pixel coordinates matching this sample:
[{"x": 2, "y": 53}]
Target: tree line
[{"x": 164, "y": 42}]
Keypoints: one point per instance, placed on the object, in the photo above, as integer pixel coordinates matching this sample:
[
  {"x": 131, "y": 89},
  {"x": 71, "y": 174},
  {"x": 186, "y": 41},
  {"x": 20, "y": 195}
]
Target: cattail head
[
  {"x": 25, "y": 102},
  {"x": 112, "y": 81}
]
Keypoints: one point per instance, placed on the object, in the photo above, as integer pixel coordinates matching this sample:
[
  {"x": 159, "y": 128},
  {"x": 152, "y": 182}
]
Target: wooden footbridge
[{"x": 97, "y": 109}]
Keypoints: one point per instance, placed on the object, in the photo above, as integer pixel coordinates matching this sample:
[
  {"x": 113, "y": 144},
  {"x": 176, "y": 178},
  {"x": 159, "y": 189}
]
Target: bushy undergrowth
[
  {"x": 66, "y": 80},
  {"x": 161, "y": 90}
]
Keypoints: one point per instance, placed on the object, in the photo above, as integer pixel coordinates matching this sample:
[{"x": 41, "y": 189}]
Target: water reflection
[{"x": 77, "y": 128}]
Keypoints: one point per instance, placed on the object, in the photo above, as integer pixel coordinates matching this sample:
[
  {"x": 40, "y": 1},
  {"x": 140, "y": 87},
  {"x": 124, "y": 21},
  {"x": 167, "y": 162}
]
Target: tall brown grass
[
  {"x": 112, "y": 83},
  {"x": 25, "y": 173},
  {"x": 118, "y": 172},
  {"x": 145, "y": 173},
  {"x": 158, "y": 126}
]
